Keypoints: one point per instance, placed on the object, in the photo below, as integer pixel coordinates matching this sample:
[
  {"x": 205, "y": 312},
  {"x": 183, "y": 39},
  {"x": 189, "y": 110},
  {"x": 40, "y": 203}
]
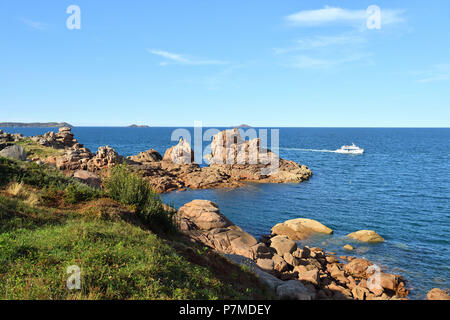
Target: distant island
[
  {"x": 243, "y": 126},
  {"x": 36, "y": 124},
  {"x": 138, "y": 126}
]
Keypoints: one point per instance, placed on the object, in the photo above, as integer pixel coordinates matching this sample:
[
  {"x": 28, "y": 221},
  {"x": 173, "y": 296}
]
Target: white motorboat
[{"x": 350, "y": 149}]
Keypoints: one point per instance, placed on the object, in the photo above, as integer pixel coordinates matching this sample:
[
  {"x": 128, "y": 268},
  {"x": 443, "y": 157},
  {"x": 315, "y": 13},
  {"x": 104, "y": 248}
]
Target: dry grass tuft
[
  {"x": 19, "y": 190},
  {"x": 16, "y": 189}
]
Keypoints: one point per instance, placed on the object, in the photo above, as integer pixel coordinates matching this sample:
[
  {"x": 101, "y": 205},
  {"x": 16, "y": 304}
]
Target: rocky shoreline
[
  {"x": 233, "y": 162},
  {"x": 289, "y": 270}
]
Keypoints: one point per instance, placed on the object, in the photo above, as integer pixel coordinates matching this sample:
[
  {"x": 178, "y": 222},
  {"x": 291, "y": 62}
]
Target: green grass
[
  {"x": 31, "y": 174},
  {"x": 117, "y": 261},
  {"x": 119, "y": 256},
  {"x": 34, "y": 149}
]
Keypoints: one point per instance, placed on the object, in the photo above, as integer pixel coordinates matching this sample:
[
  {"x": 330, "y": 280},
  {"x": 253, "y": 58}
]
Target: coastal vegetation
[
  {"x": 121, "y": 236},
  {"x": 35, "y": 150}
]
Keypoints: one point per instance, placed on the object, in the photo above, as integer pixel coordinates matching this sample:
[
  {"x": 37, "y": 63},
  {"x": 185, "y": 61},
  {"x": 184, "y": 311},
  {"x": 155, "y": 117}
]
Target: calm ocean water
[{"x": 400, "y": 187}]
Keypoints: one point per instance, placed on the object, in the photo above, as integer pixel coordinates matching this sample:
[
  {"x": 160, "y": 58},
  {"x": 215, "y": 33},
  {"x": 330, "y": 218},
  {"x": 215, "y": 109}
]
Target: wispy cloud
[
  {"x": 317, "y": 42},
  {"x": 438, "y": 72},
  {"x": 335, "y": 15},
  {"x": 181, "y": 59},
  {"x": 34, "y": 24},
  {"x": 308, "y": 62}
]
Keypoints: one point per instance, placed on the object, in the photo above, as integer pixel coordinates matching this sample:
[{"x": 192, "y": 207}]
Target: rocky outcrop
[
  {"x": 73, "y": 159},
  {"x": 438, "y": 294},
  {"x": 177, "y": 170},
  {"x": 366, "y": 236},
  {"x": 249, "y": 161},
  {"x": 63, "y": 139},
  {"x": 290, "y": 271},
  {"x": 145, "y": 157},
  {"x": 106, "y": 157},
  {"x": 14, "y": 152},
  {"x": 201, "y": 220},
  {"x": 300, "y": 228},
  {"x": 10, "y": 137},
  {"x": 180, "y": 153}
]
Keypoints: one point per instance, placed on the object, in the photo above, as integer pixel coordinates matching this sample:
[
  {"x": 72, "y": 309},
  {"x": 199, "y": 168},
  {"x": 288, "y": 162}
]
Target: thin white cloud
[
  {"x": 438, "y": 72},
  {"x": 308, "y": 62},
  {"x": 334, "y": 15},
  {"x": 34, "y": 24},
  {"x": 317, "y": 42},
  {"x": 180, "y": 59}
]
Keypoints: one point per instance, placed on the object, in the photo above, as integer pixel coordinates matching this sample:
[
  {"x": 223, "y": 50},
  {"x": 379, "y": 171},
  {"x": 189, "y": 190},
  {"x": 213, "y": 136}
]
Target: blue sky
[{"x": 264, "y": 63}]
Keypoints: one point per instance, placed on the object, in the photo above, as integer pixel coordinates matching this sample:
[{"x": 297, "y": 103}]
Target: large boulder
[
  {"x": 205, "y": 214},
  {"x": 14, "y": 152},
  {"x": 300, "y": 229},
  {"x": 358, "y": 268},
  {"x": 88, "y": 178},
  {"x": 283, "y": 244},
  {"x": 366, "y": 236},
  {"x": 201, "y": 220},
  {"x": 438, "y": 294}
]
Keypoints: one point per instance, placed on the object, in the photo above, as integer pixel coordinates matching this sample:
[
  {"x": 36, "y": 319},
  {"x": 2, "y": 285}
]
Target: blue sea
[{"x": 400, "y": 187}]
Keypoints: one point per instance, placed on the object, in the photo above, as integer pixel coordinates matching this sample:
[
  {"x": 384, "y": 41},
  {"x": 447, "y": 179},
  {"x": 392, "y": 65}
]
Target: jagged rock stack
[{"x": 106, "y": 157}]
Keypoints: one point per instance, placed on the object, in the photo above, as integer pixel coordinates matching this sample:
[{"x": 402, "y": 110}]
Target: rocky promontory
[{"x": 233, "y": 161}]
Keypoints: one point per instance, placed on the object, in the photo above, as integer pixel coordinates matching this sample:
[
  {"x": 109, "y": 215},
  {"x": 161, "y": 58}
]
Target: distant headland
[
  {"x": 138, "y": 126},
  {"x": 36, "y": 124}
]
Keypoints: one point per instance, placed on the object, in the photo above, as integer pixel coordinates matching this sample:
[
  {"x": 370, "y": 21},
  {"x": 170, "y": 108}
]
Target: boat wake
[{"x": 312, "y": 150}]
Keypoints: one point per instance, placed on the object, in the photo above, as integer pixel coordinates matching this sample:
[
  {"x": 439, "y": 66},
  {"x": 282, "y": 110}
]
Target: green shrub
[
  {"x": 31, "y": 174},
  {"x": 130, "y": 188},
  {"x": 77, "y": 192}
]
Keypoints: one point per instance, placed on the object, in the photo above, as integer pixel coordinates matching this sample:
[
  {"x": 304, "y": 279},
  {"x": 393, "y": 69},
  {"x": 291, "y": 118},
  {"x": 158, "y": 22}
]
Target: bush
[
  {"x": 130, "y": 188},
  {"x": 31, "y": 174},
  {"x": 78, "y": 192}
]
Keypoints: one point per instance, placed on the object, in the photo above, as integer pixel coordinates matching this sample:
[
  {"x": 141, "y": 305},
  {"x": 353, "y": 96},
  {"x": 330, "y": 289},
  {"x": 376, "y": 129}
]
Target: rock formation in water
[
  {"x": 369, "y": 236},
  {"x": 233, "y": 162}
]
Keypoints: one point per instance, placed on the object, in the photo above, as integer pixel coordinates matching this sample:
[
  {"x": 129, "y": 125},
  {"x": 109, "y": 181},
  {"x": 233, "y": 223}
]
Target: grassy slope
[
  {"x": 34, "y": 150},
  {"x": 119, "y": 258}
]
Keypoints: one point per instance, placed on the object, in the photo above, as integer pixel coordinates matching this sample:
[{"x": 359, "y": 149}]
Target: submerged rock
[
  {"x": 366, "y": 236},
  {"x": 438, "y": 294},
  {"x": 349, "y": 247}
]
